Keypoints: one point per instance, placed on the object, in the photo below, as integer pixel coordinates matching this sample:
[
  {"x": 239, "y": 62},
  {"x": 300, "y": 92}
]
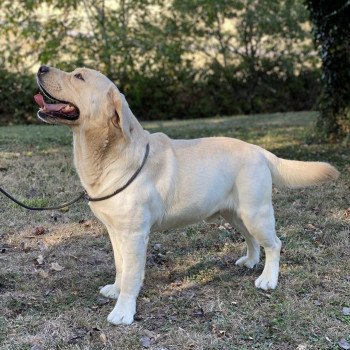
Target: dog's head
[{"x": 83, "y": 98}]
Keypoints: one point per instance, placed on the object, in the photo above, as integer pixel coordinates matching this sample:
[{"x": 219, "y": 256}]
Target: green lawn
[{"x": 194, "y": 297}]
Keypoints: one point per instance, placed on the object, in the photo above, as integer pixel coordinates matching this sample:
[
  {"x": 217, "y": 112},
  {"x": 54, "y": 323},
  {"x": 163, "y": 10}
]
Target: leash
[
  {"x": 61, "y": 206},
  {"x": 84, "y": 194}
]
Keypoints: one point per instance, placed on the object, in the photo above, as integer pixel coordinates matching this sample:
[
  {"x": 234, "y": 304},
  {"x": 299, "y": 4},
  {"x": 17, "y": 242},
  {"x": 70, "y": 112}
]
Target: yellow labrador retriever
[{"x": 182, "y": 181}]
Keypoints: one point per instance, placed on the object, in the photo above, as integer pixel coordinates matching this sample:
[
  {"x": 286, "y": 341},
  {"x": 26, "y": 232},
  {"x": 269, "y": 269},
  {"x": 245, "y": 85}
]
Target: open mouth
[{"x": 55, "y": 108}]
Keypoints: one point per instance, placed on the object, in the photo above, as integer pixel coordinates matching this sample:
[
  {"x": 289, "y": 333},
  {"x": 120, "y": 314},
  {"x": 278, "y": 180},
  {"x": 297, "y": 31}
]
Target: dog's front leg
[
  {"x": 133, "y": 250},
  {"x": 113, "y": 290}
]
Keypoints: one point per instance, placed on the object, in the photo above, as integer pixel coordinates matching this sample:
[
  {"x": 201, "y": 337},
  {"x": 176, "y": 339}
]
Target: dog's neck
[{"x": 104, "y": 160}]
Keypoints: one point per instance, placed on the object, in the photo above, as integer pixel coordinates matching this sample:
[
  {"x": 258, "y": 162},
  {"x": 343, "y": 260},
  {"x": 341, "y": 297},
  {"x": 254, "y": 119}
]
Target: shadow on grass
[{"x": 193, "y": 286}]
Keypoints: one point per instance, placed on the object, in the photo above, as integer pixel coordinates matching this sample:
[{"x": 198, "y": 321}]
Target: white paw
[
  {"x": 266, "y": 281},
  {"x": 123, "y": 312},
  {"x": 245, "y": 261},
  {"x": 110, "y": 291}
]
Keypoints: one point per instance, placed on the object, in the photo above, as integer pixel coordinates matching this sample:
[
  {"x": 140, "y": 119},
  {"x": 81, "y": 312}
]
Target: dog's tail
[{"x": 294, "y": 173}]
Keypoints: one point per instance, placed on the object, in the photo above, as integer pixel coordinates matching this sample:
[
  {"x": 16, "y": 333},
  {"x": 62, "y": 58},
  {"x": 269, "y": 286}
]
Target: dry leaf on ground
[
  {"x": 103, "y": 338},
  {"x": 39, "y": 260},
  {"x": 346, "y": 311},
  {"x": 43, "y": 274},
  {"x": 56, "y": 267},
  {"x": 344, "y": 344},
  {"x": 40, "y": 230},
  {"x": 145, "y": 341}
]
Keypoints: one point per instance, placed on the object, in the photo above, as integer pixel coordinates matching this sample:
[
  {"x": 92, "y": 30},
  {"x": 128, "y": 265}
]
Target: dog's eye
[{"x": 79, "y": 76}]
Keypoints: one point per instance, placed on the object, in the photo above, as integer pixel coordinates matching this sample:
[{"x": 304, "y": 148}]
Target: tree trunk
[{"x": 332, "y": 36}]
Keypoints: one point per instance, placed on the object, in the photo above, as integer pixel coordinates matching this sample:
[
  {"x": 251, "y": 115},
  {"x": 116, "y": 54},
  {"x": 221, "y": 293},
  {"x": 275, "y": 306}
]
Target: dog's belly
[
  {"x": 180, "y": 221},
  {"x": 193, "y": 208}
]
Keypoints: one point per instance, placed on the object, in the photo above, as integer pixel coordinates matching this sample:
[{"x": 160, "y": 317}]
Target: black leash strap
[
  {"x": 61, "y": 206},
  {"x": 82, "y": 195}
]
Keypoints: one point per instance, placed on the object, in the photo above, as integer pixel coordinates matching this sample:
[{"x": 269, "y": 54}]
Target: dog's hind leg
[
  {"x": 113, "y": 290},
  {"x": 262, "y": 226},
  {"x": 252, "y": 256},
  {"x": 254, "y": 207}
]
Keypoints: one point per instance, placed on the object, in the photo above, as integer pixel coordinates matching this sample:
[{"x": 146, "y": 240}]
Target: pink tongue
[
  {"x": 51, "y": 107},
  {"x": 39, "y": 99}
]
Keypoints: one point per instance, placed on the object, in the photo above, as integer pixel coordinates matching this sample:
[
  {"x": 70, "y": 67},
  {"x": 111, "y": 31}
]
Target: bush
[
  {"x": 201, "y": 95},
  {"x": 186, "y": 94},
  {"x": 16, "y": 98}
]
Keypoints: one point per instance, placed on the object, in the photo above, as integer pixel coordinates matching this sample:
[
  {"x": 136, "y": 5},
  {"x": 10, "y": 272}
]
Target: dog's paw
[
  {"x": 266, "y": 281},
  {"x": 110, "y": 291},
  {"x": 245, "y": 261},
  {"x": 123, "y": 312}
]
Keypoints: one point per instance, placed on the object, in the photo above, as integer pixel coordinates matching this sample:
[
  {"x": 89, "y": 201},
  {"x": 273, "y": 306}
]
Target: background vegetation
[
  {"x": 332, "y": 35},
  {"x": 173, "y": 59}
]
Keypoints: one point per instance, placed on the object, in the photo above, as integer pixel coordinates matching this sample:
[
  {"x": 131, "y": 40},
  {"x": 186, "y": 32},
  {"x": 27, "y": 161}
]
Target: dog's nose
[{"x": 43, "y": 69}]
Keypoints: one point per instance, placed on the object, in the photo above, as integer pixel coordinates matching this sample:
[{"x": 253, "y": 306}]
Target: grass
[{"x": 194, "y": 297}]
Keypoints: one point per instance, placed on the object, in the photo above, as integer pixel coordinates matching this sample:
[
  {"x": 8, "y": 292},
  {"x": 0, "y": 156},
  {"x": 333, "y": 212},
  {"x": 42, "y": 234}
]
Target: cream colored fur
[{"x": 183, "y": 182}]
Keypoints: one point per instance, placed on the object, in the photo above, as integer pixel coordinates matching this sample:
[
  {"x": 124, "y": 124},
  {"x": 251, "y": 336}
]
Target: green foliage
[
  {"x": 332, "y": 35},
  {"x": 173, "y": 59},
  {"x": 16, "y": 102}
]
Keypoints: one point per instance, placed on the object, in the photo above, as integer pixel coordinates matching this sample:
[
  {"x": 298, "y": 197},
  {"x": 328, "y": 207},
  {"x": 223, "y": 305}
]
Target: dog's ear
[{"x": 123, "y": 115}]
